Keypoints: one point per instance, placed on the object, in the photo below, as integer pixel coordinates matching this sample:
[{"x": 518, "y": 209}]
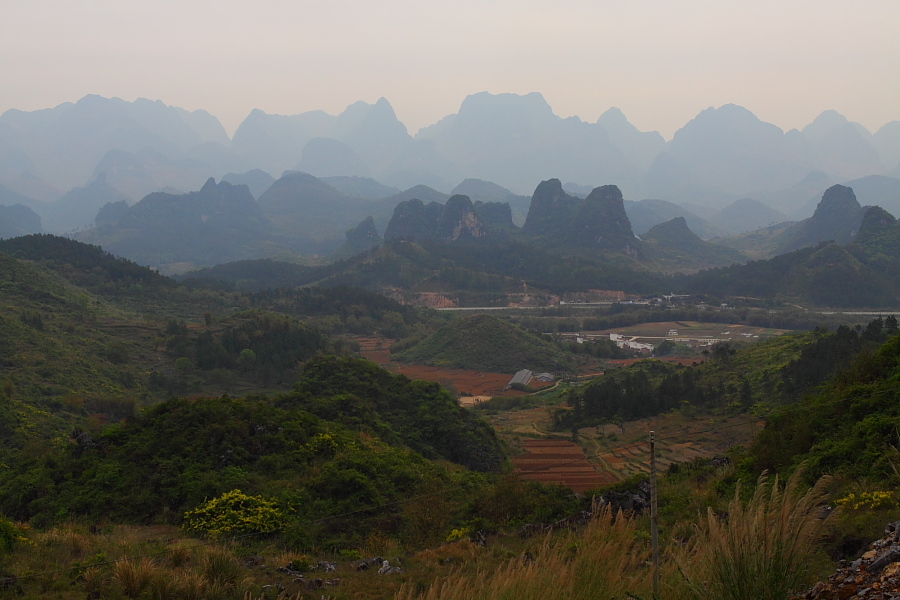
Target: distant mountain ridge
[{"x": 722, "y": 155}]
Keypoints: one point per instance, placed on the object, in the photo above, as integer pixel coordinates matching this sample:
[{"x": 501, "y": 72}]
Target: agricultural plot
[
  {"x": 463, "y": 381},
  {"x": 690, "y": 333},
  {"x": 559, "y": 461},
  {"x": 617, "y": 452}
]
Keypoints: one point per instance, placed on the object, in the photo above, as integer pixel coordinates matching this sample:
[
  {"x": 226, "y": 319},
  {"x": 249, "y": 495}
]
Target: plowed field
[
  {"x": 464, "y": 381},
  {"x": 559, "y": 461}
]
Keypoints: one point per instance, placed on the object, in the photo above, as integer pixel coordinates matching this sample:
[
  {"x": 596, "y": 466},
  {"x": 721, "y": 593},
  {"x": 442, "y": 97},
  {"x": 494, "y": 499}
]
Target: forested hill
[
  {"x": 827, "y": 275},
  {"x": 339, "y": 442},
  {"x": 849, "y": 428},
  {"x": 83, "y": 263},
  {"x": 486, "y": 343}
]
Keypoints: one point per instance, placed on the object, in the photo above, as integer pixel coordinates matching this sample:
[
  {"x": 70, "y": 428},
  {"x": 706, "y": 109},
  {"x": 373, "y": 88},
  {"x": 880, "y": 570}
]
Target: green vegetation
[
  {"x": 314, "y": 451},
  {"x": 486, "y": 343},
  {"x": 758, "y": 377},
  {"x": 235, "y": 512},
  {"x": 339, "y": 441},
  {"x": 823, "y": 275},
  {"x": 848, "y": 429}
]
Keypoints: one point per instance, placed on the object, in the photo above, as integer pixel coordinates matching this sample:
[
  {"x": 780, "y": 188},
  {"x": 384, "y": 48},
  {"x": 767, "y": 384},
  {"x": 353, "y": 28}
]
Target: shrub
[
  {"x": 9, "y": 536},
  {"x": 235, "y": 512}
]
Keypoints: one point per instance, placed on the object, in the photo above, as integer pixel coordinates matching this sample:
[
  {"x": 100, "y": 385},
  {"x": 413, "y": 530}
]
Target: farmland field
[
  {"x": 600, "y": 455},
  {"x": 463, "y": 381},
  {"x": 691, "y": 333},
  {"x": 618, "y": 452},
  {"x": 559, "y": 461}
]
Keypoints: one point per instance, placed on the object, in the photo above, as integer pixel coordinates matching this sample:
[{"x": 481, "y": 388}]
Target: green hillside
[
  {"x": 341, "y": 440},
  {"x": 849, "y": 428},
  {"x": 827, "y": 275},
  {"x": 485, "y": 343}
]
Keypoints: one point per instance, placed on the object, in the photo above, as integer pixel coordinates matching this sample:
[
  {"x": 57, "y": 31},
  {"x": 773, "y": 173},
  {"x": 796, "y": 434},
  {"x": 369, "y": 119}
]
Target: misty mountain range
[{"x": 723, "y": 155}]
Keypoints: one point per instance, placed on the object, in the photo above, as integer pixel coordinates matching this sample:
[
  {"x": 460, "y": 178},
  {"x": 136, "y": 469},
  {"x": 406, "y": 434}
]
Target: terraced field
[
  {"x": 559, "y": 461},
  {"x": 616, "y": 452}
]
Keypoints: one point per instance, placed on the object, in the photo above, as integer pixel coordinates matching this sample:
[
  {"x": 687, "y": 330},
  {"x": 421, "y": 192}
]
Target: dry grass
[
  {"x": 761, "y": 550},
  {"x": 605, "y": 561},
  {"x": 134, "y": 576}
]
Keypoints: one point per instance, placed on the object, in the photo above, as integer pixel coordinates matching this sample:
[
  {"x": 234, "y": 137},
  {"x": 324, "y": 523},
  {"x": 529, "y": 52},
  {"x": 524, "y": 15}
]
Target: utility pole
[{"x": 654, "y": 526}]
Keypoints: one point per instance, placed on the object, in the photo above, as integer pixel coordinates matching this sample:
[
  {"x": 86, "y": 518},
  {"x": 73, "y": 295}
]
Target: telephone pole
[{"x": 654, "y": 526}]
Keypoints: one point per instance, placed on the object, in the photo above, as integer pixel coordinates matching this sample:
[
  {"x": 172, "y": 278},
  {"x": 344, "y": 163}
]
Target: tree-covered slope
[
  {"x": 850, "y": 428},
  {"x": 486, "y": 343},
  {"x": 341, "y": 441},
  {"x": 826, "y": 275}
]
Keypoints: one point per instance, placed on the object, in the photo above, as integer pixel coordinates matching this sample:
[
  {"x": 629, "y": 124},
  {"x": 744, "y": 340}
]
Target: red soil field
[
  {"x": 559, "y": 461},
  {"x": 475, "y": 383}
]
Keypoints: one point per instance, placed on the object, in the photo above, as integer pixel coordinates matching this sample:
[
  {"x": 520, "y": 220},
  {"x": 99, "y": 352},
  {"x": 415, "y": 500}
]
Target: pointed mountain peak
[
  {"x": 613, "y": 114},
  {"x": 838, "y": 199},
  {"x": 550, "y": 187},
  {"x": 614, "y": 120},
  {"x": 828, "y": 118},
  {"x": 676, "y": 229},
  {"x": 209, "y": 186},
  {"x": 606, "y": 193}
]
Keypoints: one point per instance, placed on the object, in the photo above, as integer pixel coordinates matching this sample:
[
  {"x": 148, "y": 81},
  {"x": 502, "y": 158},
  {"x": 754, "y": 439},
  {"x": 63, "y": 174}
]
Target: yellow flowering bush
[
  {"x": 869, "y": 500},
  {"x": 10, "y": 535},
  {"x": 459, "y": 534},
  {"x": 322, "y": 443},
  {"x": 235, "y": 512}
]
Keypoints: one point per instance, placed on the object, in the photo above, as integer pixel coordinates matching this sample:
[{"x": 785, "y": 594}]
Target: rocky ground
[{"x": 873, "y": 576}]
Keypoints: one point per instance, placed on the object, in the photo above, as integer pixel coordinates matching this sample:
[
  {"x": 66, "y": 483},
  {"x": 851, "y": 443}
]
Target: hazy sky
[{"x": 660, "y": 61}]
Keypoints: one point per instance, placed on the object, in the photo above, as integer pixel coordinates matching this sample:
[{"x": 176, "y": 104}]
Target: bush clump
[{"x": 235, "y": 512}]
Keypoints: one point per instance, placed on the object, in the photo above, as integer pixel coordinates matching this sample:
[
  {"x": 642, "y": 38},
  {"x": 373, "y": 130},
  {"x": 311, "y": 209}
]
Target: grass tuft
[{"x": 762, "y": 549}]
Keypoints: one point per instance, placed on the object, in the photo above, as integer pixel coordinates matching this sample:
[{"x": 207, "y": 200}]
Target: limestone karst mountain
[
  {"x": 514, "y": 141},
  {"x": 257, "y": 180},
  {"x": 842, "y": 149},
  {"x": 486, "y": 191},
  {"x": 364, "y": 187},
  {"x": 517, "y": 140},
  {"x": 721, "y": 153},
  {"x": 218, "y": 223},
  {"x": 328, "y": 157},
  {"x": 674, "y": 247},
  {"x": 887, "y": 143},
  {"x": 137, "y": 174},
  {"x": 65, "y": 143},
  {"x": 558, "y": 221},
  {"x": 17, "y": 220},
  {"x": 644, "y": 214},
  {"x": 363, "y": 140},
  {"x": 459, "y": 219},
  {"x": 78, "y": 207},
  {"x": 359, "y": 239},
  {"x": 745, "y": 215},
  {"x": 872, "y": 190},
  {"x": 837, "y": 218}
]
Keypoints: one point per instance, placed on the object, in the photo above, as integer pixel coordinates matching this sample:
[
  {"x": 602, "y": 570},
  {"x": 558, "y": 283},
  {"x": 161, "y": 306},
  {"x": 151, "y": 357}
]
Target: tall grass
[
  {"x": 761, "y": 549},
  {"x": 134, "y": 576},
  {"x": 605, "y": 561}
]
